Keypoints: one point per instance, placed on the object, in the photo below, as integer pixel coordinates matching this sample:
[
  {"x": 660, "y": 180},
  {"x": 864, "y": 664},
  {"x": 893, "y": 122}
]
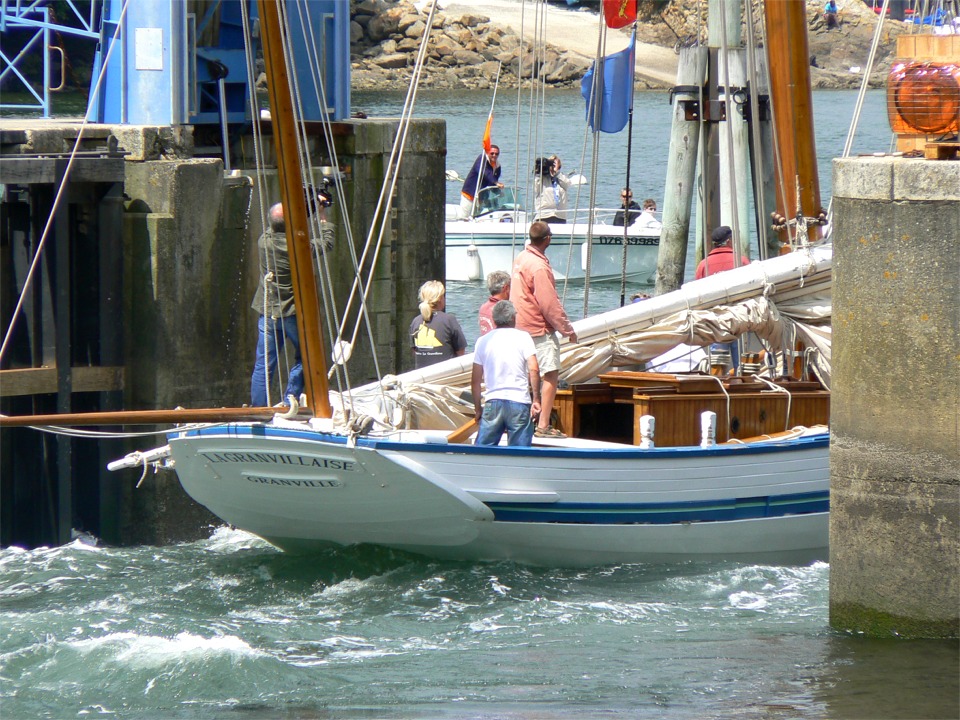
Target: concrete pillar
[
  {"x": 190, "y": 275},
  {"x": 895, "y": 453}
]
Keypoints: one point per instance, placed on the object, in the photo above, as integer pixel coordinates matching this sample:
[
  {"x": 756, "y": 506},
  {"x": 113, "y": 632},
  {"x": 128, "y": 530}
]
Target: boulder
[
  {"x": 416, "y": 30},
  {"x": 356, "y": 32},
  {"x": 467, "y": 57},
  {"x": 395, "y": 60},
  {"x": 385, "y": 24}
]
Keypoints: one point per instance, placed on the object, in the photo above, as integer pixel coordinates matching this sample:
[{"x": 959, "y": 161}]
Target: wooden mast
[
  {"x": 789, "y": 65},
  {"x": 294, "y": 211}
]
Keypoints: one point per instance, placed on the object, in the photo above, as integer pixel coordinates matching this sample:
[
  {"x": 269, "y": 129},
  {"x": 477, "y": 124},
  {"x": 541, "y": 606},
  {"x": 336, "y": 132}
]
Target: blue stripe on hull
[{"x": 663, "y": 513}]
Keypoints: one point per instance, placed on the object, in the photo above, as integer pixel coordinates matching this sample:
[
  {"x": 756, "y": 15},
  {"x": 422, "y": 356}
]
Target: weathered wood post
[{"x": 681, "y": 169}]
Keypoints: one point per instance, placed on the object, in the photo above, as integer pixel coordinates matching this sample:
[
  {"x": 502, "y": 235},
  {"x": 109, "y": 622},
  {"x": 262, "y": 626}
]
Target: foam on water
[
  {"x": 183, "y": 631},
  {"x": 151, "y": 651}
]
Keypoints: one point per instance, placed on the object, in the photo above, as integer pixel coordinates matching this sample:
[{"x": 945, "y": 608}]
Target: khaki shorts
[{"x": 548, "y": 352}]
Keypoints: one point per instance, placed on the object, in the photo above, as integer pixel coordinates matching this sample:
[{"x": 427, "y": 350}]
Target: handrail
[{"x": 63, "y": 68}]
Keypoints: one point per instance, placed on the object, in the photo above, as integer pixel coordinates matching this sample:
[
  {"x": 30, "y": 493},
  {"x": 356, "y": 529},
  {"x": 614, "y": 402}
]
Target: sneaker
[{"x": 548, "y": 432}]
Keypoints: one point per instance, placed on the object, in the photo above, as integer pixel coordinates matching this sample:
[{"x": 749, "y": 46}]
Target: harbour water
[{"x": 229, "y": 627}]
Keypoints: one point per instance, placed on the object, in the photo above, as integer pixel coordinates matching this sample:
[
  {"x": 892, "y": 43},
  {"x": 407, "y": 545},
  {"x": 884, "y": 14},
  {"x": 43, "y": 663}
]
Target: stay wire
[
  {"x": 756, "y": 167},
  {"x": 322, "y": 257},
  {"x": 594, "y": 105}
]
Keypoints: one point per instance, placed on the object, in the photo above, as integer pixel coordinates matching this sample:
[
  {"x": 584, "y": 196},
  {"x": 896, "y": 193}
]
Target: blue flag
[{"x": 614, "y": 91}]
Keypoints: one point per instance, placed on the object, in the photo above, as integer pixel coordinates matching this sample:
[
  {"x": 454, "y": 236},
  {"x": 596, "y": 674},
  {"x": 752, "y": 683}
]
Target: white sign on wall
[{"x": 148, "y": 48}]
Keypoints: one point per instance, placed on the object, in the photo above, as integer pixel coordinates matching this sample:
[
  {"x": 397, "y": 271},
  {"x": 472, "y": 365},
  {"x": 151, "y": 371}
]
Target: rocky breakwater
[{"x": 464, "y": 51}]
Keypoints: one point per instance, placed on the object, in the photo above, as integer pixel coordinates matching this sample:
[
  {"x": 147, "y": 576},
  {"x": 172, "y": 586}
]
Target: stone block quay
[{"x": 895, "y": 453}]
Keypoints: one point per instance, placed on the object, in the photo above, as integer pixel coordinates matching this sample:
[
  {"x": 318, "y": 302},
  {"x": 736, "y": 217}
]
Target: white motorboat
[{"x": 491, "y": 237}]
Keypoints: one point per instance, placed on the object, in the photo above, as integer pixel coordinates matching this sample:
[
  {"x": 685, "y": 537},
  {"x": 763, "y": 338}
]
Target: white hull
[
  {"x": 567, "y": 506},
  {"x": 476, "y": 248}
]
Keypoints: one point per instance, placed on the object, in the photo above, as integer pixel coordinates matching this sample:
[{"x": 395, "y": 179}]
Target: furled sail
[{"x": 781, "y": 300}]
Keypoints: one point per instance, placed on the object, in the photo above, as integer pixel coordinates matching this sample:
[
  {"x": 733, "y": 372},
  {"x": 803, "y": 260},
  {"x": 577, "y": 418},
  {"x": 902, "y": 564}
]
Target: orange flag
[
  {"x": 487, "y": 145},
  {"x": 619, "y": 13}
]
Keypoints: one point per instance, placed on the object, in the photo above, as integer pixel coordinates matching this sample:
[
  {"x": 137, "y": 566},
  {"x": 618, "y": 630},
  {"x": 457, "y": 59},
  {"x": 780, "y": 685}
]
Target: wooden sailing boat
[{"x": 378, "y": 466}]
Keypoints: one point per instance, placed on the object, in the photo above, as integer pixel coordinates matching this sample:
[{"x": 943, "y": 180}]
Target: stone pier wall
[{"x": 895, "y": 454}]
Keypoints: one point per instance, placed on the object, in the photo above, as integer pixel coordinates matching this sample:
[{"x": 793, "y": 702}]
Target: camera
[
  {"x": 542, "y": 166},
  {"x": 319, "y": 196}
]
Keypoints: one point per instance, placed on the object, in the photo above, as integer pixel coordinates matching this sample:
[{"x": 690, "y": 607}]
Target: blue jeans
[
  {"x": 505, "y": 415},
  {"x": 274, "y": 333},
  {"x": 733, "y": 348}
]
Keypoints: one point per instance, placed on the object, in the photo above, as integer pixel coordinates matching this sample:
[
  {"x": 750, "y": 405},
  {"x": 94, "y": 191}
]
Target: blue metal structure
[
  {"x": 36, "y": 18},
  {"x": 183, "y": 62}
]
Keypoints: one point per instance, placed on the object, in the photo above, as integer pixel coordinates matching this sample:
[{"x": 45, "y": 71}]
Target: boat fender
[
  {"x": 474, "y": 266},
  {"x": 708, "y": 429},
  {"x": 647, "y": 424}
]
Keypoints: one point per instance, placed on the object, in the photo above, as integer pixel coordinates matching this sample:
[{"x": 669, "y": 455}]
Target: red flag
[
  {"x": 619, "y": 13},
  {"x": 486, "y": 135}
]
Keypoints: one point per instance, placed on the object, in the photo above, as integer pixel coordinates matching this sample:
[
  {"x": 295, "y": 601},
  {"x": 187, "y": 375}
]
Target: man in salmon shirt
[{"x": 533, "y": 291}]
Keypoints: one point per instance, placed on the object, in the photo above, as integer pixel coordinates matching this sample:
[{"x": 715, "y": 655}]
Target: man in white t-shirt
[{"x": 506, "y": 359}]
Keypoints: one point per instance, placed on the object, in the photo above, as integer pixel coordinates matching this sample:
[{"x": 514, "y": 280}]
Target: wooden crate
[
  {"x": 941, "y": 150},
  {"x": 928, "y": 47},
  {"x": 570, "y": 401}
]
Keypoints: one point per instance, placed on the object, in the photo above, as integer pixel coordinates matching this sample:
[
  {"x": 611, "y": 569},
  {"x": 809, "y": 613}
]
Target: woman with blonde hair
[{"x": 436, "y": 335}]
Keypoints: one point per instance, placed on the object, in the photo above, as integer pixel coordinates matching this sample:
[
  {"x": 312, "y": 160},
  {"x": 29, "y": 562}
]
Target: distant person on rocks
[
  {"x": 629, "y": 209},
  {"x": 436, "y": 335},
  {"x": 498, "y": 285},
  {"x": 484, "y": 173},
  {"x": 550, "y": 190},
  {"x": 830, "y": 14},
  {"x": 506, "y": 360},
  {"x": 533, "y": 290},
  {"x": 274, "y": 302}
]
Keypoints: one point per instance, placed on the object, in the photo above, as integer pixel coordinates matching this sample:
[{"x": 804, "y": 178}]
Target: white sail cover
[{"x": 782, "y": 300}]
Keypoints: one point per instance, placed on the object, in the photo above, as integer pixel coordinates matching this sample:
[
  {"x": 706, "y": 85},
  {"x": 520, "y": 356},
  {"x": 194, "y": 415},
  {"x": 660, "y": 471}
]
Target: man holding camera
[
  {"x": 274, "y": 301},
  {"x": 550, "y": 190}
]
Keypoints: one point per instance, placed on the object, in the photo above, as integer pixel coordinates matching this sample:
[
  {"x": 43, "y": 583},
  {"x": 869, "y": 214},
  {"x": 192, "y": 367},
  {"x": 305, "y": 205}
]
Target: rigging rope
[
  {"x": 595, "y": 88},
  {"x": 318, "y": 229},
  {"x": 756, "y": 165},
  {"x": 260, "y": 183},
  {"x": 778, "y": 166}
]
